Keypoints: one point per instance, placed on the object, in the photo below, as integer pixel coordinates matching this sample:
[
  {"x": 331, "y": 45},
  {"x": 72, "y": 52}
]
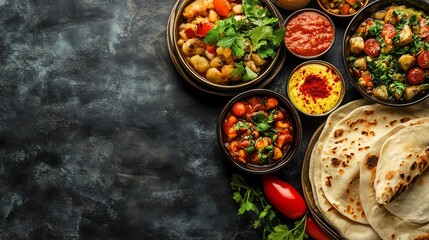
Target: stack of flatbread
[{"x": 368, "y": 171}]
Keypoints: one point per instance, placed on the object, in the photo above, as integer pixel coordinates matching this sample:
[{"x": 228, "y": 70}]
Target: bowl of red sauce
[
  {"x": 310, "y": 33},
  {"x": 315, "y": 88},
  {"x": 259, "y": 131}
]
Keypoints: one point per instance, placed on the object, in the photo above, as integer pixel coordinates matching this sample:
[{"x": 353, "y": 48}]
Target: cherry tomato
[
  {"x": 372, "y": 47},
  {"x": 190, "y": 33},
  {"x": 271, "y": 103},
  {"x": 424, "y": 28},
  {"x": 416, "y": 76},
  {"x": 210, "y": 48},
  {"x": 388, "y": 31},
  {"x": 283, "y": 196},
  {"x": 203, "y": 28},
  {"x": 423, "y": 59},
  {"x": 239, "y": 109},
  {"x": 351, "y": 1},
  {"x": 222, "y": 7},
  {"x": 312, "y": 229}
]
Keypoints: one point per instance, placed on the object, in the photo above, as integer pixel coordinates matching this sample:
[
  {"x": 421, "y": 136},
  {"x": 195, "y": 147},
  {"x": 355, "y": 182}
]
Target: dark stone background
[{"x": 101, "y": 138}]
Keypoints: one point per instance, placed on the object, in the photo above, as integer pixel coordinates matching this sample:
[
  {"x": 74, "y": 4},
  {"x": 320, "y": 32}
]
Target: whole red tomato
[
  {"x": 283, "y": 196},
  {"x": 312, "y": 229}
]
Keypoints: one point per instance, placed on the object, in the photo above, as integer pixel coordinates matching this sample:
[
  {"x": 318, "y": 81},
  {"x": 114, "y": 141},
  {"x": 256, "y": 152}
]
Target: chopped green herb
[
  {"x": 241, "y": 125},
  {"x": 251, "y": 199}
]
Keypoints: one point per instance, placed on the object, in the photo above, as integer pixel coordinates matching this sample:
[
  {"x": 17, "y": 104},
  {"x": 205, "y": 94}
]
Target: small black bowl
[
  {"x": 362, "y": 15},
  {"x": 290, "y": 111},
  {"x": 293, "y": 15}
]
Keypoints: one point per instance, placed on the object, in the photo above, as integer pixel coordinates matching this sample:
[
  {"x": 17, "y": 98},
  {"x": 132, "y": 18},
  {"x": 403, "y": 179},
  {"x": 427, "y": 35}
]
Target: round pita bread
[
  {"x": 386, "y": 224},
  {"x": 347, "y": 228},
  {"x": 346, "y": 146},
  {"x": 402, "y": 160}
]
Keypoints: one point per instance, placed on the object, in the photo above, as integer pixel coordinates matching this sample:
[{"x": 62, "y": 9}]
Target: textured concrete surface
[{"x": 100, "y": 137}]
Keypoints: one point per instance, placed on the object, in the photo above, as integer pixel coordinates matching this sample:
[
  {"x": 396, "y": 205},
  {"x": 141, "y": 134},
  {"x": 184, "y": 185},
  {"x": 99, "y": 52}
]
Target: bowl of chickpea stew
[
  {"x": 386, "y": 52},
  {"x": 259, "y": 131},
  {"x": 228, "y": 45},
  {"x": 342, "y": 8}
]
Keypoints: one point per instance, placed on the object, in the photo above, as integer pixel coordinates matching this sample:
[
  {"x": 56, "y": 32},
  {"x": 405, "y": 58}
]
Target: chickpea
[
  {"x": 180, "y": 42},
  {"x": 183, "y": 36},
  {"x": 277, "y": 153},
  {"x": 193, "y": 46},
  {"x": 213, "y": 16},
  {"x": 199, "y": 20},
  {"x": 252, "y": 66},
  {"x": 215, "y": 76},
  {"x": 237, "y": 9},
  {"x": 216, "y": 62},
  {"x": 227, "y": 52},
  {"x": 219, "y": 51},
  {"x": 227, "y": 70},
  {"x": 257, "y": 60},
  {"x": 199, "y": 63}
]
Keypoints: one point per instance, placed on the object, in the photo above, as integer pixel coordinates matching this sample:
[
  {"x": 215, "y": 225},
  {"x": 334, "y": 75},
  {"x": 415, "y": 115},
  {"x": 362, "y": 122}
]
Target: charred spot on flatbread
[
  {"x": 338, "y": 133},
  {"x": 389, "y": 175},
  {"x": 403, "y": 186},
  {"x": 371, "y": 162},
  {"x": 328, "y": 181},
  {"x": 393, "y": 122},
  {"x": 368, "y": 112},
  {"x": 335, "y": 162},
  {"x": 405, "y": 119}
]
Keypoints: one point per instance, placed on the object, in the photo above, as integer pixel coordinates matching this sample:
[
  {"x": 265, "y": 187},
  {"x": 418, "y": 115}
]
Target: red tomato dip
[{"x": 309, "y": 34}]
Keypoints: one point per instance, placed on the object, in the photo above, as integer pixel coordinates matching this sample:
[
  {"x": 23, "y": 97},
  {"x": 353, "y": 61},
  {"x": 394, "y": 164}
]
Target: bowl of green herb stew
[
  {"x": 259, "y": 131},
  {"x": 228, "y": 45},
  {"x": 386, "y": 51}
]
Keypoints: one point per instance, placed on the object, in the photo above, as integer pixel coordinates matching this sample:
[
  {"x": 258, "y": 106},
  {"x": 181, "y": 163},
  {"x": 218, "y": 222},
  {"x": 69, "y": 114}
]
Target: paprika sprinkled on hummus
[{"x": 315, "y": 88}]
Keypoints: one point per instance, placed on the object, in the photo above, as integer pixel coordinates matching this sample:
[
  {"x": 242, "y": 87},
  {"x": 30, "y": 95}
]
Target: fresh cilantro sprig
[
  {"x": 227, "y": 34},
  {"x": 251, "y": 199},
  {"x": 262, "y": 122},
  {"x": 257, "y": 32},
  {"x": 244, "y": 71}
]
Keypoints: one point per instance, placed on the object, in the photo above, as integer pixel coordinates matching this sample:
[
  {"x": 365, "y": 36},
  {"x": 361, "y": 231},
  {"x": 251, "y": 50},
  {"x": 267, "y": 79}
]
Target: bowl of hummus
[{"x": 315, "y": 88}]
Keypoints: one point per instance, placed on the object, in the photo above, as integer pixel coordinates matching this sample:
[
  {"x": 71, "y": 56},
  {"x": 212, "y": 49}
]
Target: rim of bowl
[
  {"x": 309, "y": 10},
  {"x": 329, "y": 65},
  {"x": 339, "y": 15},
  {"x": 239, "y": 86},
  {"x": 293, "y": 115},
  {"x": 363, "y": 14}
]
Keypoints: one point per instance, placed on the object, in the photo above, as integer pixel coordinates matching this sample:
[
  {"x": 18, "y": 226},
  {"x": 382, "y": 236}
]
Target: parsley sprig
[{"x": 251, "y": 199}]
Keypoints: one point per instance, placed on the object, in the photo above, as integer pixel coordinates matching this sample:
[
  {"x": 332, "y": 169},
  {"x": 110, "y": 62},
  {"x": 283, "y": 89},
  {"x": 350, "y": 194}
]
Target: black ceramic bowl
[
  {"x": 290, "y": 113},
  {"x": 273, "y": 65},
  {"x": 294, "y": 40},
  {"x": 367, "y": 12}
]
